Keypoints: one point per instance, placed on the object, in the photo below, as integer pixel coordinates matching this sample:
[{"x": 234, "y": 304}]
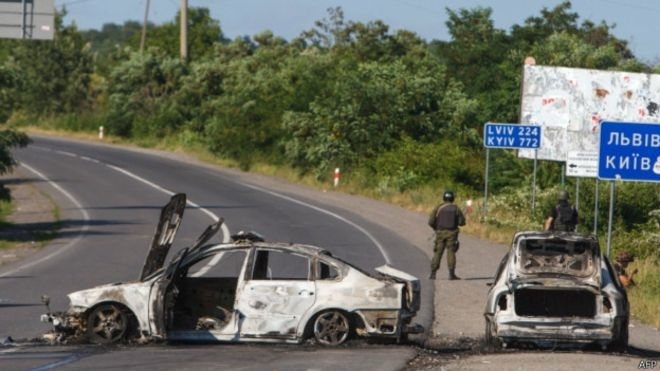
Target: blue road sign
[
  {"x": 512, "y": 136},
  {"x": 629, "y": 151}
]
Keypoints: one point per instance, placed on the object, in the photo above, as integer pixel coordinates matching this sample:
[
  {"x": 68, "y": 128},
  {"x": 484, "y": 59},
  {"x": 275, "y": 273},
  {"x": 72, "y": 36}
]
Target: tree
[
  {"x": 140, "y": 95},
  {"x": 9, "y": 139},
  {"x": 368, "y": 108},
  {"x": 51, "y": 77},
  {"x": 203, "y": 33}
]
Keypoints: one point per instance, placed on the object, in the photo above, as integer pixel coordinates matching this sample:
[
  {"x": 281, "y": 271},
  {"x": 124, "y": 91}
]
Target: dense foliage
[{"x": 391, "y": 109}]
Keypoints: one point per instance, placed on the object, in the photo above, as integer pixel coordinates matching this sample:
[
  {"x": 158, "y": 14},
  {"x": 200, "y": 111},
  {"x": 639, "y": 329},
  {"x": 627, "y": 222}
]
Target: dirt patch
[{"x": 32, "y": 218}]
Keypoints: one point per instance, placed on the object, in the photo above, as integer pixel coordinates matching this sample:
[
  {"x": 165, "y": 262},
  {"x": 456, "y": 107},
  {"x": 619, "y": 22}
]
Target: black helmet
[
  {"x": 562, "y": 196},
  {"x": 448, "y": 196}
]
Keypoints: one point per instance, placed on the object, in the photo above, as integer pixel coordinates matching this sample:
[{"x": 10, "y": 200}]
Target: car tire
[
  {"x": 107, "y": 323},
  {"x": 331, "y": 327},
  {"x": 492, "y": 342},
  {"x": 620, "y": 341}
]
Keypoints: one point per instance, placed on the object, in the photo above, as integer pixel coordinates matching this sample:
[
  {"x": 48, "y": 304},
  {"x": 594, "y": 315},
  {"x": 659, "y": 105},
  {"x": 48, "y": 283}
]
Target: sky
[{"x": 636, "y": 21}]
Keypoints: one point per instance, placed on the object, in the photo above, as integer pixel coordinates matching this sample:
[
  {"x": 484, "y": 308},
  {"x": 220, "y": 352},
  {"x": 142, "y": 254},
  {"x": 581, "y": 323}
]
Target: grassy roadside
[
  {"x": 28, "y": 222},
  {"x": 6, "y": 208},
  {"x": 506, "y": 214}
]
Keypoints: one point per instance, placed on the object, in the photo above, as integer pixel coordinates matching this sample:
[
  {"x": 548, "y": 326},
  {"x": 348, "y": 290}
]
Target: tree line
[{"x": 391, "y": 109}]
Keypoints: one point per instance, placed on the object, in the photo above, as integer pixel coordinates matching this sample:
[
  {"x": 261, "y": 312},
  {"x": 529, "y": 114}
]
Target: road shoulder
[{"x": 33, "y": 215}]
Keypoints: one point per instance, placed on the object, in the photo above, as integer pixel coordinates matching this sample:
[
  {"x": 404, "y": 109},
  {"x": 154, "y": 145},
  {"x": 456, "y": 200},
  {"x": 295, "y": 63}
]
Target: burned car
[
  {"x": 556, "y": 289},
  {"x": 243, "y": 290}
]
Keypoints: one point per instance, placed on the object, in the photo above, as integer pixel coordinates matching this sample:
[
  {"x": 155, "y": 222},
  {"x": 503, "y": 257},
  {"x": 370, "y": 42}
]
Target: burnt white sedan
[
  {"x": 244, "y": 290},
  {"x": 556, "y": 289}
]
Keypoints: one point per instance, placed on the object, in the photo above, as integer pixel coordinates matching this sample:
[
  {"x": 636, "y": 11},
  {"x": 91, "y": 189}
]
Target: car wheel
[
  {"x": 331, "y": 328},
  {"x": 620, "y": 342},
  {"x": 107, "y": 323},
  {"x": 492, "y": 343}
]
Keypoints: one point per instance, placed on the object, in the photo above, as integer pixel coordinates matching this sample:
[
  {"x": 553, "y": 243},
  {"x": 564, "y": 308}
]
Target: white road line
[
  {"x": 327, "y": 212},
  {"x": 75, "y": 240},
  {"x": 225, "y": 231}
]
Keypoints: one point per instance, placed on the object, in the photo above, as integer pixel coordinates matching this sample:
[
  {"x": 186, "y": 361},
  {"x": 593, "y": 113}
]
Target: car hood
[
  {"x": 170, "y": 219},
  {"x": 122, "y": 292}
]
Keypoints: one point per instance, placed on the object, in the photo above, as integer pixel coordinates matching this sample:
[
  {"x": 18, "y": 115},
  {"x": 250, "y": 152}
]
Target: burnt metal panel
[{"x": 168, "y": 224}]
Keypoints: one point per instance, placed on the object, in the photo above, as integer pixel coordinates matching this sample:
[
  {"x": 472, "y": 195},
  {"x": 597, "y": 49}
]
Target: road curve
[
  {"x": 242, "y": 198},
  {"x": 109, "y": 199}
]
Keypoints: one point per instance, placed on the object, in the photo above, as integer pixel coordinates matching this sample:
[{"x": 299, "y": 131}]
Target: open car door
[{"x": 171, "y": 216}]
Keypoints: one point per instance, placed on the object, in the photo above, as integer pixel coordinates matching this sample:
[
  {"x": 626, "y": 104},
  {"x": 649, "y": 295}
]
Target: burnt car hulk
[
  {"x": 244, "y": 290},
  {"x": 553, "y": 289}
]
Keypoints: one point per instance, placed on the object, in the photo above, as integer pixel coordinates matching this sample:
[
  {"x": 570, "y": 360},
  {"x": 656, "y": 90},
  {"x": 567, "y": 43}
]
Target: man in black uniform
[
  {"x": 563, "y": 216},
  {"x": 445, "y": 220}
]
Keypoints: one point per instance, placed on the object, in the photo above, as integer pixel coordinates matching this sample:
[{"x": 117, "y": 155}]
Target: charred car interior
[
  {"x": 556, "y": 288},
  {"x": 247, "y": 289}
]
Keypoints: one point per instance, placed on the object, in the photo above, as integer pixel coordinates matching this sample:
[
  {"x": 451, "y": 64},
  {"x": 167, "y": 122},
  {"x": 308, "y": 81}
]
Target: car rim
[
  {"x": 106, "y": 324},
  {"x": 331, "y": 328}
]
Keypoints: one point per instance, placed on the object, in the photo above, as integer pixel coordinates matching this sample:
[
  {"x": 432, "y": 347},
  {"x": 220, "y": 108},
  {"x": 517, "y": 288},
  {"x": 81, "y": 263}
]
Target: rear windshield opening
[{"x": 555, "y": 303}]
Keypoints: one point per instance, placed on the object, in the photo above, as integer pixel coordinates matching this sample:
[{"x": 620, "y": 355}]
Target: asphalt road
[
  {"x": 109, "y": 201},
  {"x": 105, "y": 237}
]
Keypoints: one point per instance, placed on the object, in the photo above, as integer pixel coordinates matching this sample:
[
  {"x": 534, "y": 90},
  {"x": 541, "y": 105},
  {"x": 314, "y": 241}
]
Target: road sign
[
  {"x": 582, "y": 164},
  {"x": 512, "y": 136},
  {"x": 27, "y": 19},
  {"x": 629, "y": 151}
]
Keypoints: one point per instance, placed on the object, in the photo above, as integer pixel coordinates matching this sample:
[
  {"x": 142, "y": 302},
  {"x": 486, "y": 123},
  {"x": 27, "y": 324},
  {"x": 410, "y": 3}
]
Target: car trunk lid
[{"x": 413, "y": 286}]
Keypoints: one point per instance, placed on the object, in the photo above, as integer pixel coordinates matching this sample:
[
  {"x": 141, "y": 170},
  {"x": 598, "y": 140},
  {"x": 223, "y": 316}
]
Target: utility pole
[
  {"x": 143, "y": 37},
  {"x": 183, "y": 34}
]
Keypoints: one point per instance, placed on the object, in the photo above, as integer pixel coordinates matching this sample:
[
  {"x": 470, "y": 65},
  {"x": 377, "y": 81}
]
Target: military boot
[{"x": 453, "y": 276}]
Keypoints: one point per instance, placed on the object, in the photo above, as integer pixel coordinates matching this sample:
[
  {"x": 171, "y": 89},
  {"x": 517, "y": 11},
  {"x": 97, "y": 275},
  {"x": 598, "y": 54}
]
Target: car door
[
  {"x": 275, "y": 294},
  {"x": 163, "y": 293}
]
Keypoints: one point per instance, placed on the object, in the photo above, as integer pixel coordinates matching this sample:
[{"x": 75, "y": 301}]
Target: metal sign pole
[
  {"x": 609, "y": 224},
  {"x": 577, "y": 194},
  {"x": 486, "y": 182},
  {"x": 596, "y": 209},
  {"x": 23, "y": 19},
  {"x": 536, "y": 151}
]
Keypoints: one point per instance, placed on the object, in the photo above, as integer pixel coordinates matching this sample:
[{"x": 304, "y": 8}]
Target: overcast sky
[{"x": 637, "y": 21}]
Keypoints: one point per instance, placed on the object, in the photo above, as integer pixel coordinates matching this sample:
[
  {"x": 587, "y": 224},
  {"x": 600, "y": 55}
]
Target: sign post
[
  {"x": 513, "y": 136},
  {"x": 27, "y": 19},
  {"x": 629, "y": 152}
]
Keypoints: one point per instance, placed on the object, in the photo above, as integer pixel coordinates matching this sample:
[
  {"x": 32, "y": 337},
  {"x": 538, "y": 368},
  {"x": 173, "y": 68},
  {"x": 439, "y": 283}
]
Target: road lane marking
[
  {"x": 79, "y": 236},
  {"x": 225, "y": 230},
  {"x": 327, "y": 212}
]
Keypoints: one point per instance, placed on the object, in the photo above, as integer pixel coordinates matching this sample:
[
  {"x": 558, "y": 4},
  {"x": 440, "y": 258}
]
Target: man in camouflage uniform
[
  {"x": 445, "y": 220},
  {"x": 563, "y": 216}
]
